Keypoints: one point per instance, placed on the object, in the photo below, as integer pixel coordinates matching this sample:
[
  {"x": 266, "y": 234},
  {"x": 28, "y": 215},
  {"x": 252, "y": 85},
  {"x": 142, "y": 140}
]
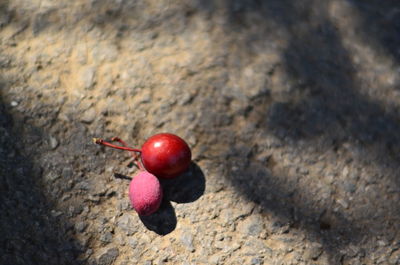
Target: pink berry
[
  {"x": 145, "y": 193},
  {"x": 166, "y": 155}
]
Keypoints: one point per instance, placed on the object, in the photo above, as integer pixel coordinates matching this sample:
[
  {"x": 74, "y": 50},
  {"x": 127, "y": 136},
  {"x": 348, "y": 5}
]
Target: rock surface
[{"x": 291, "y": 109}]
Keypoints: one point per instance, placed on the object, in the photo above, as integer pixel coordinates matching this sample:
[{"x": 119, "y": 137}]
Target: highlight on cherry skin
[{"x": 165, "y": 155}]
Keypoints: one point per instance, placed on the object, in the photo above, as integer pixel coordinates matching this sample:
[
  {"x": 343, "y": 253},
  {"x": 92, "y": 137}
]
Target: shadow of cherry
[
  {"x": 121, "y": 176},
  {"x": 187, "y": 187},
  {"x": 163, "y": 221}
]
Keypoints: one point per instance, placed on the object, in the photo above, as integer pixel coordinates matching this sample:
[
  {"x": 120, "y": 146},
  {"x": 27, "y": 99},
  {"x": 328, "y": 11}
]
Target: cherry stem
[
  {"x": 124, "y": 147},
  {"x": 134, "y": 155},
  {"x": 117, "y": 139},
  {"x": 102, "y": 142}
]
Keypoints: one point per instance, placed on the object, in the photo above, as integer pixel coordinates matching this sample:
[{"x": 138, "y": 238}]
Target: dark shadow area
[
  {"x": 296, "y": 209},
  {"x": 326, "y": 108},
  {"x": 163, "y": 221},
  {"x": 30, "y": 232},
  {"x": 332, "y": 112},
  {"x": 121, "y": 176},
  {"x": 381, "y": 24},
  {"x": 332, "y": 106},
  {"x": 187, "y": 187}
]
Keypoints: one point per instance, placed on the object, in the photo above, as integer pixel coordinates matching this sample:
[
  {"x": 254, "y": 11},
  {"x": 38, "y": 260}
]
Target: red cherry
[{"x": 166, "y": 155}]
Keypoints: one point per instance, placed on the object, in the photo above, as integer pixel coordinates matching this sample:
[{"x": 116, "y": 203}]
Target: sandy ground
[{"x": 291, "y": 109}]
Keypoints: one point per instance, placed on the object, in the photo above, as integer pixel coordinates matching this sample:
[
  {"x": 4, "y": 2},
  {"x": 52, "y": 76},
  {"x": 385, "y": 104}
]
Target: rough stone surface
[
  {"x": 251, "y": 226},
  {"x": 108, "y": 256},
  {"x": 187, "y": 240},
  {"x": 291, "y": 109},
  {"x": 127, "y": 224},
  {"x": 89, "y": 116}
]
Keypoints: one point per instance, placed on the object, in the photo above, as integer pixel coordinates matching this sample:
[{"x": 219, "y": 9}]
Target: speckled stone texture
[{"x": 291, "y": 110}]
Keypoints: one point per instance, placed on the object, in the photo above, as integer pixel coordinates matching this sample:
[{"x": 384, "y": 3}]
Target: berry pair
[{"x": 163, "y": 155}]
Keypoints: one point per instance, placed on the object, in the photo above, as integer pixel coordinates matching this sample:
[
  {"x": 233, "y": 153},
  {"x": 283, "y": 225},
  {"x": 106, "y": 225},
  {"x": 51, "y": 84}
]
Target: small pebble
[
  {"x": 80, "y": 227},
  {"x": 108, "y": 256},
  {"x": 187, "y": 241},
  {"x": 106, "y": 237},
  {"x": 256, "y": 261},
  {"x": 53, "y": 142},
  {"x": 132, "y": 242},
  {"x": 89, "y": 116}
]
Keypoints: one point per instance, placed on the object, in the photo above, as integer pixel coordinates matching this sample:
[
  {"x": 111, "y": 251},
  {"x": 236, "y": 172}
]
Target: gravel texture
[{"x": 291, "y": 109}]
